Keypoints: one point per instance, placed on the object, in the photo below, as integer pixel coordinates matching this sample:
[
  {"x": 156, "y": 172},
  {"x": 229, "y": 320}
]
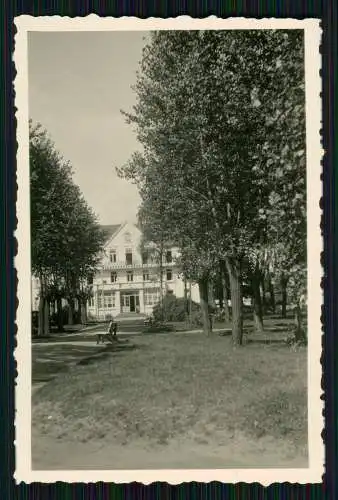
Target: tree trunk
[
  {"x": 84, "y": 312},
  {"x": 190, "y": 305},
  {"x": 284, "y": 296},
  {"x": 226, "y": 303},
  {"x": 59, "y": 314},
  {"x": 79, "y": 310},
  {"x": 263, "y": 296},
  {"x": 46, "y": 314},
  {"x": 272, "y": 297},
  {"x": 224, "y": 278},
  {"x": 186, "y": 309},
  {"x": 233, "y": 269},
  {"x": 70, "y": 311},
  {"x": 203, "y": 289},
  {"x": 299, "y": 332},
  {"x": 257, "y": 301},
  {"x": 211, "y": 296},
  {"x": 161, "y": 285},
  {"x": 41, "y": 318}
]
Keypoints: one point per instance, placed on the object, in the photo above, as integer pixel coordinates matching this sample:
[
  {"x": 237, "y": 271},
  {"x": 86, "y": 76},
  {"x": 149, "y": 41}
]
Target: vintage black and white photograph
[{"x": 168, "y": 249}]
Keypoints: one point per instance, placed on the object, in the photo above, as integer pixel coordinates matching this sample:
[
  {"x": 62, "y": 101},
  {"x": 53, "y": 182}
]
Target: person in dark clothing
[{"x": 114, "y": 328}]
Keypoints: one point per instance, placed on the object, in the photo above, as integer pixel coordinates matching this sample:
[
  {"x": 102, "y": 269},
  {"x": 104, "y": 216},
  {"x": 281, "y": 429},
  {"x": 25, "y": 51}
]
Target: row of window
[
  {"x": 145, "y": 257},
  {"x": 130, "y": 276},
  {"x": 151, "y": 298},
  {"x": 107, "y": 299},
  {"x": 146, "y": 276}
]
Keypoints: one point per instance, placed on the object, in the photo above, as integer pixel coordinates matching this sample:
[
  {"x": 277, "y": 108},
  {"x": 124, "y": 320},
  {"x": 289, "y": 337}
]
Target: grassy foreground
[{"x": 186, "y": 386}]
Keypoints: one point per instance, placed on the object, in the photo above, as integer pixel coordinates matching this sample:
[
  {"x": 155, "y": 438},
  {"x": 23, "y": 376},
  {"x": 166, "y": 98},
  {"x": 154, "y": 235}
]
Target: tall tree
[
  {"x": 65, "y": 235},
  {"x": 210, "y": 111}
]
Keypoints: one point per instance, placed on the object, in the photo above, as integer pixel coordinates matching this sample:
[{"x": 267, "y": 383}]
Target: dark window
[
  {"x": 130, "y": 277},
  {"x": 169, "y": 275},
  {"x": 144, "y": 257},
  {"x": 112, "y": 256},
  {"x": 146, "y": 276},
  {"x": 169, "y": 257},
  {"x": 113, "y": 277},
  {"x": 129, "y": 258}
]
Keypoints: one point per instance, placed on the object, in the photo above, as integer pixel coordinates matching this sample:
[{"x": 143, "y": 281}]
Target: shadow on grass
[
  {"x": 47, "y": 373},
  {"x": 107, "y": 353},
  {"x": 206, "y": 387},
  {"x": 59, "y": 359},
  {"x": 258, "y": 340},
  {"x": 225, "y": 333},
  {"x": 266, "y": 341}
]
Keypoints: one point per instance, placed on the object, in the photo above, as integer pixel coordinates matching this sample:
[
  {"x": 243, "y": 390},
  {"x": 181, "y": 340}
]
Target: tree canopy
[
  {"x": 220, "y": 116},
  {"x": 65, "y": 236}
]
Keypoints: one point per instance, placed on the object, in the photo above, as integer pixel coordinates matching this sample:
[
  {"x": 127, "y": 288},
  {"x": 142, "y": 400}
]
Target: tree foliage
[
  {"x": 65, "y": 236},
  {"x": 220, "y": 116}
]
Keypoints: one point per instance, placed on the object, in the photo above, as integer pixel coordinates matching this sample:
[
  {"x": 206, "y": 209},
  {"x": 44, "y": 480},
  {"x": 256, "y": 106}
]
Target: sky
[{"x": 78, "y": 83}]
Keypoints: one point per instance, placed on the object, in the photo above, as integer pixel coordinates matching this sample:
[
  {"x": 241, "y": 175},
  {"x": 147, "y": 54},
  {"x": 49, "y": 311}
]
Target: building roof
[{"x": 110, "y": 229}]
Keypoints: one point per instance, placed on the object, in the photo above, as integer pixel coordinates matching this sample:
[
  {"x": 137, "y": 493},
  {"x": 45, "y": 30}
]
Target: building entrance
[{"x": 130, "y": 302}]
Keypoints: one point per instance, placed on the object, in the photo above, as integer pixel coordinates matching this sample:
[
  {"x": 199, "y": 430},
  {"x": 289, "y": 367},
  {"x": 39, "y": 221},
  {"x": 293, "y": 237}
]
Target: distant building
[{"x": 128, "y": 280}]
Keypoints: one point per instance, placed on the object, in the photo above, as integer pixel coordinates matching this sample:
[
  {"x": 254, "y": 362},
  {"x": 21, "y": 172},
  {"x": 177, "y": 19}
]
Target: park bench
[{"x": 111, "y": 335}]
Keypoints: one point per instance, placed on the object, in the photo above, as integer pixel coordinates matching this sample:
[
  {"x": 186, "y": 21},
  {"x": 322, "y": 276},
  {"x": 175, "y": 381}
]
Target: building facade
[{"x": 129, "y": 279}]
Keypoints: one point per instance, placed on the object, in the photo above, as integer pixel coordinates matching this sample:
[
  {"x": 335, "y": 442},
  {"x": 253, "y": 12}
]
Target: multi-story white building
[{"x": 128, "y": 280}]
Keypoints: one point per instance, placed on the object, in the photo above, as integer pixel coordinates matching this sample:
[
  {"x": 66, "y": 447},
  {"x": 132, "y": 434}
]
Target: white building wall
[
  {"x": 195, "y": 294},
  {"x": 147, "y": 290}
]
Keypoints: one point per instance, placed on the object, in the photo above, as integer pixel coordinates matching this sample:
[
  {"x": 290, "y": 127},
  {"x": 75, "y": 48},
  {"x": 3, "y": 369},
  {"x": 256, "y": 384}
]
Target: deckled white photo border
[{"x": 24, "y": 472}]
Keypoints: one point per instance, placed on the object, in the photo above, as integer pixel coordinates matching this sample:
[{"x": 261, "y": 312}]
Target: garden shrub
[
  {"x": 173, "y": 309},
  {"x": 196, "y": 318},
  {"x": 65, "y": 312},
  {"x": 159, "y": 328}
]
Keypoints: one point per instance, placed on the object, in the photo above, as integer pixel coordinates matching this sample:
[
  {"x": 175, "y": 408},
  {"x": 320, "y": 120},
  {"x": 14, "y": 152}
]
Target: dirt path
[
  {"x": 48, "y": 454},
  {"x": 81, "y": 343},
  {"x": 123, "y": 334}
]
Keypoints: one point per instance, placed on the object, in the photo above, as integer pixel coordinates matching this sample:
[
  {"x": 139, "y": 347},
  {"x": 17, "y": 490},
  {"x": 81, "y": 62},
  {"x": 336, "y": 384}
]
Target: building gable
[{"x": 128, "y": 236}]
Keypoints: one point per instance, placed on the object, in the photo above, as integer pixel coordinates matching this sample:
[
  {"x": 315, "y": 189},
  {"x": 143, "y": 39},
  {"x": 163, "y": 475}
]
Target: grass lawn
[
  {"x": 275, "y": 329},
  {"x": 51, "y": 360},
  {"x": 175, "y": 388}
]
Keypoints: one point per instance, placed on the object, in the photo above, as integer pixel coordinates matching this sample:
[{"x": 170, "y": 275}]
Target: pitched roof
[{"x": 110, "y": 229}]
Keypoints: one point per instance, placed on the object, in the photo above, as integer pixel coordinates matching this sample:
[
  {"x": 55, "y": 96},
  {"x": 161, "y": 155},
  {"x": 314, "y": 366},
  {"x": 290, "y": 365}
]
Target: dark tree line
[{"x": 66, "y": 239}]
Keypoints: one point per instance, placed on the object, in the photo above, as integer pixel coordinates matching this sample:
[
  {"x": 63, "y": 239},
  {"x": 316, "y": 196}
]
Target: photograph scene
[{"x": 168, "y": 249}]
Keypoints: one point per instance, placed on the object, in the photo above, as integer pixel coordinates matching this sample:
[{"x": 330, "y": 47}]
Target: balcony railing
[
  {"x": 138, "y": 284},
  {"x": 135, "y": 265}
]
